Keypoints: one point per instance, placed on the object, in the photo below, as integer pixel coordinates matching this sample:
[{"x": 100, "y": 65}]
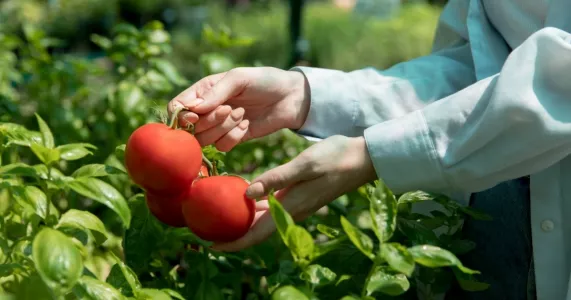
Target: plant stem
[
  {"x": 364, "y": 290},
  {"x": 209, "y": 165},
  {"x": 173, "y": 123}
]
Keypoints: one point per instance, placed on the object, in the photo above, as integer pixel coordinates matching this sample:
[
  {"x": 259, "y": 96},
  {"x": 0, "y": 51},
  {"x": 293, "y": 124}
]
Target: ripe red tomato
[
  {"x": 161, "y": 159},
  {"x": 217, "y": 208},
  {"x": 167, "y": 209}
]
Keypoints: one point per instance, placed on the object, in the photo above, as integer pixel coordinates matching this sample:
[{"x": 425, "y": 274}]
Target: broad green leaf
[
  {"x": 328, "y": 231},
  {"x": 120, "y": 151},
  {"x": 281, "y": 217},
  {"x": 33, "y": 200},
  {"x": 33, "y": 288},
  {"x": 123, "y": 278},
  {"x": 152, "y": 294},
  {"x": 18, "y": 135},
  {"x": 169, "y": 70},
  {"x": 398, "y": 258},
  {"x": 75, "y": 151},
  {"x": 18, "y": 169},
  {"x": 318, "y": 275},
  {"x": 468, "y": 283},
  {"x": 416, "y": 196},
  {"x": 434, "y": 257},
  {"x": 104, "y": 193},
  {"x": 44, "y": 154},
  {"x": 96, "y": 170},
  {"x": 384, "y": 281},
  {"x": 8, "y": 269},
  {"x": 130, "y": 97},
  {"x": 383, "y": 210},
  {"x": 143, "y": 235},
  {"x": 300, "y": 243},
  {"x": 288, "y": 292},
  {"x": 57, "y": 260},
  {"x": 350, "y": 297},
  {"x": 93, "y": 289},
  {"x": 84, "y": 220},
  {"x": 47, "y": 136},
  {"x": 362, "y": 241},
  {"x": 417, "y": 232},
  {"x": 173, "y": 294}
]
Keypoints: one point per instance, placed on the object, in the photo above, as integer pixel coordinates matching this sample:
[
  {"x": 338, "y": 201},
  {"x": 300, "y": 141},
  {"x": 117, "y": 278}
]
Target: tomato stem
[
  {"x": 208, "y": 164},
  {"x": 174, "y": 118}
]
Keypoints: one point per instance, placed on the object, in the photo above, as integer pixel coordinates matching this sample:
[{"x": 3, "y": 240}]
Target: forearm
[{"x": 509, "y": 125}]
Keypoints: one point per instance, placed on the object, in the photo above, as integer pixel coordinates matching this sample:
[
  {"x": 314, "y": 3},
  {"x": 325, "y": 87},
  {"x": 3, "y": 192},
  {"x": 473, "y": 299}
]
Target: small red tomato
[
  {"x": 162, "y": 159},
  {"x": 167, "y": 209},
  {"x": 217, "y": 208}
]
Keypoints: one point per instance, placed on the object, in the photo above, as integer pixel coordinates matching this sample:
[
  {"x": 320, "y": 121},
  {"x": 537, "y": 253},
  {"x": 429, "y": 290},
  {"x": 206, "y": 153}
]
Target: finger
[
  {"x": 279, "y": 178},
  {"x": 189, "y": 97},
  {"x": 213, "y": 118},
  {"x": 213, "y": 134},
  {"x": 232, "y": 84},
  {"x": 259, "y": 232},
  {"x": 262, "y": 205},
  {"x": 233, "y": 137},
  {"x": 185, "y": 118}
]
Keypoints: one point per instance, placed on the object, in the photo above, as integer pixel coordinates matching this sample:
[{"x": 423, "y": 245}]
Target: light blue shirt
[{"x": 491, "y": 103}]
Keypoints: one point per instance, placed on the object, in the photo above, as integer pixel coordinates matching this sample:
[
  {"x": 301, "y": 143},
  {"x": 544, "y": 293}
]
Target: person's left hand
[{"x": 317, "y": 176}]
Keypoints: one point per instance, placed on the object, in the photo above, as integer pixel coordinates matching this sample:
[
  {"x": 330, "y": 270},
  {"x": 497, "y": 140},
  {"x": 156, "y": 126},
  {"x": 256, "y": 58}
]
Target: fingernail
[
  {"x": 194, "y": 103},
  {"x": 255, "y": 190}
]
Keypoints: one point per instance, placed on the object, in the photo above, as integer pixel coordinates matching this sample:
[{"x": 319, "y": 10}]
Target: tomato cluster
[{"x": 179, "y": 189}]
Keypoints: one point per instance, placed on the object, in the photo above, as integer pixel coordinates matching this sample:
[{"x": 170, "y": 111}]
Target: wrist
[
  {"x": 300, "y": 98},
  {"x": 363, "y": 164}
]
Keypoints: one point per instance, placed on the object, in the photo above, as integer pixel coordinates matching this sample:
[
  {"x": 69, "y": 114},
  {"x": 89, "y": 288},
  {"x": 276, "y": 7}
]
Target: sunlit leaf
[{"x": 362, "y": 241}]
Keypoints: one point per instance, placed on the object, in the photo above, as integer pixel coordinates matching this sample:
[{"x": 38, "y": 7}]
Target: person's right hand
[{"x": 242, "y": 104}]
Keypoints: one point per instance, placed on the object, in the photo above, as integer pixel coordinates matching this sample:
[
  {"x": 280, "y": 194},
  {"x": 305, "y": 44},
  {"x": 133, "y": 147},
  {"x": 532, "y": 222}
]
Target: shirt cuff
[
  {"x": 332, "y": 110},
  {"x": 404, "y": 156}
]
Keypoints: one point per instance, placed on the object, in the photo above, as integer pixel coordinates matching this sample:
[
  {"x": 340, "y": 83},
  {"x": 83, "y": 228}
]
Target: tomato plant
[{"x": 74, "y": 225}]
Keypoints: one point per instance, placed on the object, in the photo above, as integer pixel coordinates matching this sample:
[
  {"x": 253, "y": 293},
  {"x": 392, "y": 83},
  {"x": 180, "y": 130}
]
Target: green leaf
[
  {"x": 328, "y": 246},
  {"x": 468, "y": 283},
  {"x": 101, "y": 41},
  {"x": 207, "y": 290},
  {"x": 169, "y": 70},
  {"x": 96, "y": 170},
  {"x": 18, "y": 169},
  {"x": 104, "y": 193},
  {"x": 328, "y": 231},
  {"x": 383, "y": 210},
  {"x": 152, "y": 294},
  {"x": 18, "y": 135},
  {"x": 142, "y": 237},
  {"x": 47, "y": 136},
  {"x": 57, "y": 260},
  {"x": 33, "y": 288},
  {"x": 8, "y": 269},
  {"x": 434, "y": 257},
  {"x": 318, "y": 275},
  {"x": 130, "y": 97},
  {"x": 173, "y": 294},
  {"x": 288, "y": 292},
  {"x": 417, "y": 232},
  {"x": 476, "y": 214},
  {"x": 386, "y": 282},
  {"x": 75, "y": 151},
  {"x": 282, "y": 218},
  {"x": 398, "y": 258},
  {"x": 45, "y": 154},
  {"x": 300, "y": 243},
  {"x": 34, "y": 200},
  {"x": 123, "y": 278},
  {"x": 93, "y": 289},
  {"x": 84, "y": 220},
  {"x": 362, "y": 241}
]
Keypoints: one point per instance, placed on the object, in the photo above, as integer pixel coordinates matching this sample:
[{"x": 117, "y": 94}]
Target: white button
[{"x": 547, "y": 225}]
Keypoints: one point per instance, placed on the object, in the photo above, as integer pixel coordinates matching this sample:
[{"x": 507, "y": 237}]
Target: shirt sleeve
[
  {"x": 511, "y": 124},
  {"x": 347, "y": 103}
]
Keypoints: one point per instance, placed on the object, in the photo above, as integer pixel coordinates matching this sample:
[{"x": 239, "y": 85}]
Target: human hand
[
  {"x": 317, "y": 176},
  {"x": 242, "y": 104}
]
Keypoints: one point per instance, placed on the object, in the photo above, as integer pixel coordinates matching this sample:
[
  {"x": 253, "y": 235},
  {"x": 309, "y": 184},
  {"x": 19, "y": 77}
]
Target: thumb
[
  {"x": 277, "y": 179},
  {"x": 231, "y": 85}
]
